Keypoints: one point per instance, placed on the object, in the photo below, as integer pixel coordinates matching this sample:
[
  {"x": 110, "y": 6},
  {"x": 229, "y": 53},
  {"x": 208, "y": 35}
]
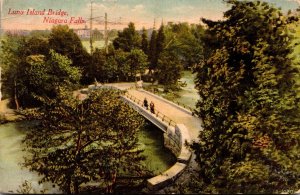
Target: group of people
[{"x": 151, "y": 106}]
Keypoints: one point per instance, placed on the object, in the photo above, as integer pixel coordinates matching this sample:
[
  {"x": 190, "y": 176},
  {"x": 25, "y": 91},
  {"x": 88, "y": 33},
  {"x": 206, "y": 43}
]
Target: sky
[{"x": 77, "y": 13}]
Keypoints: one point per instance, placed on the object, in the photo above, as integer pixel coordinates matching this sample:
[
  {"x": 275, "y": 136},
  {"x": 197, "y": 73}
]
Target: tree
[
  {"x": 65, "y": 41},
  {"x": 160, "y": 41},
  {"x": 36, "y": 44},
  {"x": 42, "y": 77},
  {"x": 186, "y": 41},
  {"x": 168, "y": 70},
  {"x": 152, "y": 51},
  {"x": 76, "y": 142},
  {"x": 136, "y": 60},
  {"x": 96, "y": 70},
  {"x": 110, "y": 69},
  {"x": 144, "y": 44},
  {"x": 11, "y": 58},
  {"x": 248, "y": 103},
  {"x": 123, "y": 67},
  {"x": 112, "y": 34},
  {"x": 30, "y": 69},
  {"x": 156, "y": 47},
  {"x": 128, "y": 39}
]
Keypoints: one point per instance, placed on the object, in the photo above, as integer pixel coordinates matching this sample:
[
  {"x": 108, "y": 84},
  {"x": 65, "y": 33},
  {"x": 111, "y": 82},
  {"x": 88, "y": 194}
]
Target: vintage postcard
[{"x": 149, "y": 96}]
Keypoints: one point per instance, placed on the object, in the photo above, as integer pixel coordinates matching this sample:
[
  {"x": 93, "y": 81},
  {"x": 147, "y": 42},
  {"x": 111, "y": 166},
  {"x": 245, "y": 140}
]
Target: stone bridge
[{"x": 178, "y": 124}]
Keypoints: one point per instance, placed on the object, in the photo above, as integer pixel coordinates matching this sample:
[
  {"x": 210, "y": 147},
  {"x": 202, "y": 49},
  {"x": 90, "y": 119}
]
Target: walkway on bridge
[{"x": 167, "y": 108}]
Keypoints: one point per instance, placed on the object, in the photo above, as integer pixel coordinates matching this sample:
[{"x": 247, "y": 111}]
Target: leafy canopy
[
  {"x": 248, "y": 102},
  {"x": 77, "y": 142}
]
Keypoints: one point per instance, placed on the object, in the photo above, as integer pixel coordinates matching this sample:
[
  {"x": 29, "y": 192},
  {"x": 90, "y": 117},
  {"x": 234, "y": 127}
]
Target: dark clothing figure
[
  {"x": 146, "y": 103},
  {"x": 152, "y": 108}
]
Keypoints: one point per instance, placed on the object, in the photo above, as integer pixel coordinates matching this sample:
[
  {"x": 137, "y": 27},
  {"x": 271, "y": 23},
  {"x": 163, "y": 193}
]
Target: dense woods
[{"x": 249, "y": 102}]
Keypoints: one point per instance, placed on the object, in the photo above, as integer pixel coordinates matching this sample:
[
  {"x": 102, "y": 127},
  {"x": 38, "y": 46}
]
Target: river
[
  {"x": 11, "y": 155},
  {"x": 188, "y": 95}
]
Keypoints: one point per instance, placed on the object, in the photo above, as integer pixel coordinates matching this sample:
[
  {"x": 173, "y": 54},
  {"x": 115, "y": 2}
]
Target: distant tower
[{"x": 154, "y": 24}]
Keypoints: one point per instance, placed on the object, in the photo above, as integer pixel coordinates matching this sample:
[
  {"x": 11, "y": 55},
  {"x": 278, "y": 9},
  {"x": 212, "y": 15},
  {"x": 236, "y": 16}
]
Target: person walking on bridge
[
  {"x": 152, "y": 107},
  {"x": 146, "y": 103}
]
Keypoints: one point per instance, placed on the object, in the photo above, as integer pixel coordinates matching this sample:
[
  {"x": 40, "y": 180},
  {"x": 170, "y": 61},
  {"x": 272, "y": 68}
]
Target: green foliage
[
  {"x": 137, "y": 62},
  {"x": 128, "y": 39},
  {"x": 144, "y": 43},
  {"x": 10, "y": 56},
  {"x": 156, "y": 47},
  {"x": 160, "y": 41},
  {"x": 180, "y": 44},
  {"x": 36, "y": 45},
  {"x": 152, "y": 57},
  {"x": 169, "y": 70},
  {"x": 95, "y": 69},
  {"x": 122, "y": 66},
  {"x": 110, "y": 69},
  {"x": 43, "y": 77},
  {"x": 30, "y": 68},
  {"x": 64, "y": 41},
  {"x": 27, "y": 73},
  {"x": 248, "y": 102},
  {"x": 112, "y": 34},
  {"x": 186, "y": 42},
  {"x": 76, "y": 142}
]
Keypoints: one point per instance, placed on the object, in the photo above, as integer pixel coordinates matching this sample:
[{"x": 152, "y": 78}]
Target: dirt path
[
  {"x": 4, "y": 107},
  {"x": 7, "y": 113}
]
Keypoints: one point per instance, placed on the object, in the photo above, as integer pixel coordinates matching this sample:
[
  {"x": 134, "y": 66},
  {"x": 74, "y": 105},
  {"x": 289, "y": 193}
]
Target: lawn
[{"x": 96, "y": 44}]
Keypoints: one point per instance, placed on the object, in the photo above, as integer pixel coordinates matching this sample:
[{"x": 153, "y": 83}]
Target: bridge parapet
[
  {"x": 177, "y": 104},
  {"x": 158, "y": 114}
]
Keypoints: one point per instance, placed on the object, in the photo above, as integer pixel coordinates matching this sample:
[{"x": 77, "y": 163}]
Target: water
[
  {"x": 11, "y": 155},
  {"x": 159, "y": 159},
  {"x": 188, "y": 95},
  {"x": 12, "y": 175}
]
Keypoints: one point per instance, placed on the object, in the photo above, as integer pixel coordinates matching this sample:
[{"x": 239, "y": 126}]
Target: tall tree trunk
[
  {"x": 76, "y": 187},
  {"x": 15, "y": 95},
  {"x": 111, "y": 184},
  {"x": 68, "y": 187}
]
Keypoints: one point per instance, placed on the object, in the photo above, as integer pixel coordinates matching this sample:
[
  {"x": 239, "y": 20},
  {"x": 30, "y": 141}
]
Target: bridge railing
[
  {"x": 158, "y": 114},
  {"x": 183, "y": 105},
  {"x": 174, "y": 101}
]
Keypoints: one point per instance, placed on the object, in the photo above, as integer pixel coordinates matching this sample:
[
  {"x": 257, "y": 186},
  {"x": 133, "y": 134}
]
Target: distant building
[{"x": 82, "y": 33}]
